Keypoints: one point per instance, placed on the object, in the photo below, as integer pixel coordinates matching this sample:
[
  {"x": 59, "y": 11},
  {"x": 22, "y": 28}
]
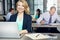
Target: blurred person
[
  {"x": 38, "y": 13},
  {"x": 47, "y": 18},
  {"x": 11, "y": 12},
  {"x": 22, "y": 17}
]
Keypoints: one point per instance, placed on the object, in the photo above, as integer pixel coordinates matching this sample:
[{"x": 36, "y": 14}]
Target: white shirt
[
  {"x": 8, "y": 16},
  {"x": 46, "y": 17}
]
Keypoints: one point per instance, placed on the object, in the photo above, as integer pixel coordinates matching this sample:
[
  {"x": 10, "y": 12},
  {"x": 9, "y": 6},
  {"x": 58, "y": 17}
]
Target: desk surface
[
  {"x": 58, "y": 37},
  {"x": 39, "y": 36},
  {"x": 38, "y": 25}
]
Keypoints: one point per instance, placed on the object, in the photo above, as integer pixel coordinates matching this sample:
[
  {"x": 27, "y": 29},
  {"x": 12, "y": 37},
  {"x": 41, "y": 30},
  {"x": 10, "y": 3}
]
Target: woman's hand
[{"x": 23, "y": 32}]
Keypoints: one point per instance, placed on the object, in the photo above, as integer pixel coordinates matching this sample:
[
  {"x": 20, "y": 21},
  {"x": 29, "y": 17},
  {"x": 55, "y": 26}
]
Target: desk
[
  {"x": 38, "y": 25},
  {"x": 32, "y": 37},
  {"x": 40, "y": 37},
  {"x": 35, "y": 25}
]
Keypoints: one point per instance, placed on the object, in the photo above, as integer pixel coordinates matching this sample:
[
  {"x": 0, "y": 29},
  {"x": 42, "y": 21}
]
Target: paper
[{"x": 41, "y": 36}]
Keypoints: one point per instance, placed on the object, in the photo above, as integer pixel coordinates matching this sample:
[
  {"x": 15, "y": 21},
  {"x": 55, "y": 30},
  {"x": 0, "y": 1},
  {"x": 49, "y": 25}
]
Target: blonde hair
[{"x": 25, "y": 4}]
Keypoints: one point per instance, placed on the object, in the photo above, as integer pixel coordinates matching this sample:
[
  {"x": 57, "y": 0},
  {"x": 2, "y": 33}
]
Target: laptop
[{"x": 9, "y": 30}]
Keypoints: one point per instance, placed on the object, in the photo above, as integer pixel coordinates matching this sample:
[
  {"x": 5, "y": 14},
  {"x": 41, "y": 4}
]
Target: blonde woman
[{"x": 22, "y": 17}]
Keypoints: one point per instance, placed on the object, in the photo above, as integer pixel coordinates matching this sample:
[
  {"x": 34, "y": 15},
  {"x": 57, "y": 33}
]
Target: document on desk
[{"x": 37, "y": 36}]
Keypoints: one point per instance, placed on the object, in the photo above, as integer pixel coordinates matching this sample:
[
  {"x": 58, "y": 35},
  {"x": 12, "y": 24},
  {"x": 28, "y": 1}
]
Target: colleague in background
[
  {"x": 49, "y": 17},
  {"x": 38, "y": 13},
  {"x": 22, "y": 17},
  {"x": 11, "y": 12}
]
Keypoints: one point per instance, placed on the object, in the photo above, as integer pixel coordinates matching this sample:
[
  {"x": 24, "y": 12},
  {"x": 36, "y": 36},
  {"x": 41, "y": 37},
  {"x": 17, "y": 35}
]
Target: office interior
[{"x": 43, "y": 5}]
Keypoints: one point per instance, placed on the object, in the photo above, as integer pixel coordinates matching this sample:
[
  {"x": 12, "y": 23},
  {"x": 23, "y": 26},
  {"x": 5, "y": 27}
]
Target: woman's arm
[{"x": 29, "y": 24}]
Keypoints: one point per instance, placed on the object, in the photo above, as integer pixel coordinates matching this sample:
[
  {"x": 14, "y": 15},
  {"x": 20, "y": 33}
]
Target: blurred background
[{"x": 43, "y": 5}]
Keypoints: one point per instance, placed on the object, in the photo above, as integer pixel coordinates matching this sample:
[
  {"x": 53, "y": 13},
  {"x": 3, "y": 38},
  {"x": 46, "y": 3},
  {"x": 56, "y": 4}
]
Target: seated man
[
  {"x": 49, "y": 17},
  {"x": 11, "y": 12}
]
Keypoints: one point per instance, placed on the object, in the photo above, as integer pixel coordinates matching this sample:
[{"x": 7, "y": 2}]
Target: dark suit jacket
[{"x": 27, "y": 21}]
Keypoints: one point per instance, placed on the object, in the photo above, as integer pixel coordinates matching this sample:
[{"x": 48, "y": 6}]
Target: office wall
[
  {"x": 58, "y": 7},
  {"x": 1, "y": 7},
  {"x": 38, "y": 4},
  {"x": 5, "y": 5}
]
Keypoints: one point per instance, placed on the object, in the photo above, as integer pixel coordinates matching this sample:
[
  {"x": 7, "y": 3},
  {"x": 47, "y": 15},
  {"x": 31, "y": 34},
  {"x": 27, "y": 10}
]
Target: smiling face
[{"x": 20, "y": 7}]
